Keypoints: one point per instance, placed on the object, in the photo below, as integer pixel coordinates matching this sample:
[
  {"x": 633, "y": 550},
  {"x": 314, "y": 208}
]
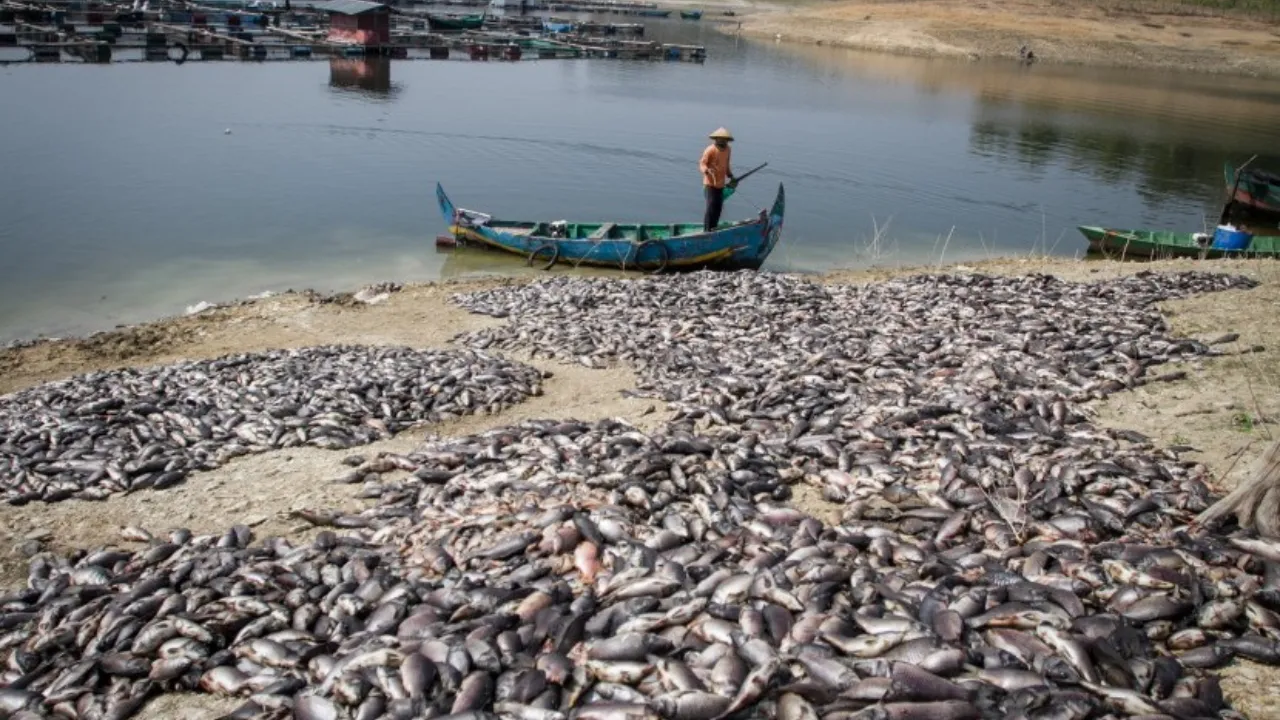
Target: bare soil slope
[{"x": 1146, "y": 35}]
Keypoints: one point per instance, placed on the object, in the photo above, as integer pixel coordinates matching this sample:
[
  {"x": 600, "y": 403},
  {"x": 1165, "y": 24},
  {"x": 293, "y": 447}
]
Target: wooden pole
[{"x": 1231, "y": 199}]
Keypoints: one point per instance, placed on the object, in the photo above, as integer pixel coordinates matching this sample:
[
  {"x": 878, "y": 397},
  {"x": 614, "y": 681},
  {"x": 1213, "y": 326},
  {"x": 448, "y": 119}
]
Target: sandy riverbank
[
  {"x": 1151, "y": 35},
  {"x": 1219, "y": 409}
]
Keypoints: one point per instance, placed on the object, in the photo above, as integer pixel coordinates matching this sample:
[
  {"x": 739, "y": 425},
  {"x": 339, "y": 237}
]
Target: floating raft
[{"x": 204, "y": 32}]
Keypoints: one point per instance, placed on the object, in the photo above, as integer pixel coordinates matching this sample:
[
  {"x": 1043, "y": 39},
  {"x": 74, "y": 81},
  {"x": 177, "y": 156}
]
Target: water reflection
[
  {"x": 468, "y": 261},
  {"x": 1118, "y": 153},
  {"x": 1143, "y": 130},
  {"x": 1165, "y": 134},
  {"x": 368, "y": 77}
]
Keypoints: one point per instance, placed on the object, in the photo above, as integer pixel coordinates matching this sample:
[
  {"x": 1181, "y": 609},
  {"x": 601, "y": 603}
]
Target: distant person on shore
[{"x": 715, "y": 174}]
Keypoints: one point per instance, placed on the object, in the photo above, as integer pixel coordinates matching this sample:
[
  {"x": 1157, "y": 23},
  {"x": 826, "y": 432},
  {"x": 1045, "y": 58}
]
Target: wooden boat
[
  {"x": 691, "y": 14},
  {"x": 650, "y": 247},
  {"x": 455, "y": 22},
  {"x": 1258, "y": 189},
  {"x": 653, "y": 13},
  {"x": 1166, "y": 243}
]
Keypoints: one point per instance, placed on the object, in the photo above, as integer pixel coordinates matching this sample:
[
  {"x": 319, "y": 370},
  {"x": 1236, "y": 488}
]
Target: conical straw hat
[{"x": 721, "y": 133}]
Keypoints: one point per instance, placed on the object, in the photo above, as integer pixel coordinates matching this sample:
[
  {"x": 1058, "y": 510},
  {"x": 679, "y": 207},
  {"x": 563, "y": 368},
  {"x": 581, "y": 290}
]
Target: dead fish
[
  {"x": 1042, "y": 567},
  {"x": 629, "y": 647},
  {"x": 690, "y": 705},
  {"x": 367, "y": 396}
]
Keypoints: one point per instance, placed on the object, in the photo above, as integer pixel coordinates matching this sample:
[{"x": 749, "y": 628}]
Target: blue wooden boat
[
  {"x": 653, "y": 13},
  {"x": 691, "y": 14},
  {"x": 649, "y": 247}
]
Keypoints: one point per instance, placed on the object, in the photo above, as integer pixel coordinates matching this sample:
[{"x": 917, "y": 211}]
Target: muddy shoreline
[
  {"x": 1148, "y": 36},
  {"x": 1223, "y": 408}
]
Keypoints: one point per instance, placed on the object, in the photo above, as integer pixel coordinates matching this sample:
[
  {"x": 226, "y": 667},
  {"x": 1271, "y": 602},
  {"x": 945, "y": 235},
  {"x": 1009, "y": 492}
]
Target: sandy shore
[
  {"x": 1139, "y": 35},
  {"x": 1223, "y": 409}
]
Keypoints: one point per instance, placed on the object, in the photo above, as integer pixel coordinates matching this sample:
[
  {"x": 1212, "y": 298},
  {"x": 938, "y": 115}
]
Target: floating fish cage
[{"x": 213, "y": 31}]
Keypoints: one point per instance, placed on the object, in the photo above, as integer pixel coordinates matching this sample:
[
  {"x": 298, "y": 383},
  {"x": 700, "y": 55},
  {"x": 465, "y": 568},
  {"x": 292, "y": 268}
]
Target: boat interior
[
  {"x": 602, "y": 231},
  {"x": 1261, "y": 176}
]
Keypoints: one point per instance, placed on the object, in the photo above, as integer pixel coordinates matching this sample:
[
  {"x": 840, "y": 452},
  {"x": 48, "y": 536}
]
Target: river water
[{"x": 124, "y": 197}]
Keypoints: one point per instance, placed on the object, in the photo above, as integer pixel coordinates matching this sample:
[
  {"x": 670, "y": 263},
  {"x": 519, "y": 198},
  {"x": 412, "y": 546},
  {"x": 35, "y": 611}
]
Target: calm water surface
[{"x": 122, "y": 197}]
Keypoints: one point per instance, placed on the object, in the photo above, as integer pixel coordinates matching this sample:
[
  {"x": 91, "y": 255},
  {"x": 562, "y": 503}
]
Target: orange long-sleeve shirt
[{"x": 716, "y": 161}]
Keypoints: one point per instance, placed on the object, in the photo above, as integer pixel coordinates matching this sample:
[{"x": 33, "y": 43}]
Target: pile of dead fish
[
  {"x": 124, "y": 430},
  {"x": 733, "y": 344},
  {"x": 875, "y": 376},
  {"x": 571, "y": 570},
  {"x": 996, "y": 555}
]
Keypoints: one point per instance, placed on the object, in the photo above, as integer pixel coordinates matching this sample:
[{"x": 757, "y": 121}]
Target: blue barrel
[{"x": 1225, "y": 238}]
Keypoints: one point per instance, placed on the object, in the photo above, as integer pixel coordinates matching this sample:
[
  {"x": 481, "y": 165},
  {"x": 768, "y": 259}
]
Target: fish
[
  {"x": 197, "y": 415},
  {"x": 989, "y": 558}
]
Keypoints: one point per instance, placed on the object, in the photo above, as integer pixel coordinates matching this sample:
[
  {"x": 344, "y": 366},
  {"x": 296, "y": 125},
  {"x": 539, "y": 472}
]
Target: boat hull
[
  {"x": 1257, "y": 190},
  {"x": 647, "y": 247},
  {"x": 446, "y": 23},
  {"x": 1156, "y": 244}
]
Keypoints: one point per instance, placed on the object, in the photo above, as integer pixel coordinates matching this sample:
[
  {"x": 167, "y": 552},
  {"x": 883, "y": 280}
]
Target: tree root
[{"x": 1256, "y": 501}]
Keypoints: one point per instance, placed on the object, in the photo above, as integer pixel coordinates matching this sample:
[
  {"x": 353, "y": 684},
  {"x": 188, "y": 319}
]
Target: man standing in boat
[{"x": 715, "y": 174}]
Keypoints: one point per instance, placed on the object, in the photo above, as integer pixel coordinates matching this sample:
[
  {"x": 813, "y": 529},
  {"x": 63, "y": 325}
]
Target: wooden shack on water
[{"x": 356, "y": 21}]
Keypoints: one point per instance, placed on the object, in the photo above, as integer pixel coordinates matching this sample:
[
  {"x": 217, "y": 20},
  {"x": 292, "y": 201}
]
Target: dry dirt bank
[
  {"x": 1121, "y": 34},
  {"x": 1219, "y": 410}
]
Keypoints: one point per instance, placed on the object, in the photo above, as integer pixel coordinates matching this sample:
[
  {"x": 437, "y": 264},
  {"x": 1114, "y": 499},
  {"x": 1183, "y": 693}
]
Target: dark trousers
[{"x": 715, "y": 203}]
